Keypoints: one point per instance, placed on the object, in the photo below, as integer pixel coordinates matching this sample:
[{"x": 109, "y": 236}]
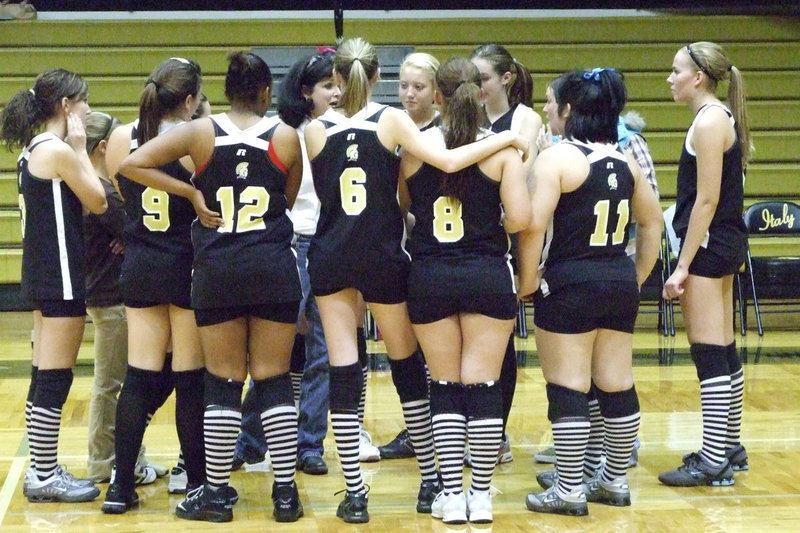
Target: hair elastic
[{"x": 595, "y": 73}]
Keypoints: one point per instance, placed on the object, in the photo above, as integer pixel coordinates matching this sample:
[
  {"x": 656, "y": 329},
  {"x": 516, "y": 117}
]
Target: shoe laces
[{"x": 348, "y": 493}]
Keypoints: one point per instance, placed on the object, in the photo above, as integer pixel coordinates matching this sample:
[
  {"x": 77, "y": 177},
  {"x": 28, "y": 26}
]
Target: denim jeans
[{"x": 313, "y": 412}]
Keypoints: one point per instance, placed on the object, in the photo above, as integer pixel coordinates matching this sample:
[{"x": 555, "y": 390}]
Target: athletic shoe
[
  {"x": 549, "y": 501},
  {"x": 547, "y": 479},
  {"x": 61, "y": 486},
  {"x": 737, "y": 457},
  {"x": 616, "y": 492},
  {"x": 427, "y": 493},
  {"x": 286, "y": 502},
  {"x": 548, "y": 455},
  {"x": 117, "y": 502},
  {"x": 30, "y": 473},
  {"x": 353, "y": 509},
  {"x": 450, "y": 507},
  {"x": 178, "y": 479},
  {"x": 228, "y": 494},
  {"x": 479, "y": 504},
  {"x": 313, "y": 465},
  {"x": 696, "y": 471},
  {"x": 142, "y": 461},
  {"x": 504, "y": 455},
  {"x": 367, "y": 452},
  {"x": 250, "y": 457},
  {"x": 400, "y": 448},
  {"x": 204, "y": 504}
]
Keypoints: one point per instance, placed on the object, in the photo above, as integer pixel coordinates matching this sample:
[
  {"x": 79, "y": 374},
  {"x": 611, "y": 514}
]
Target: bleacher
[{"x": 115, "y": 57}]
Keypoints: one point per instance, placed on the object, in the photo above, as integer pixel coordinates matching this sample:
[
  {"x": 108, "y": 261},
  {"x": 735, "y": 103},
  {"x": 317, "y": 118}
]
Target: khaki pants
[{"x": 110, "y": 363}]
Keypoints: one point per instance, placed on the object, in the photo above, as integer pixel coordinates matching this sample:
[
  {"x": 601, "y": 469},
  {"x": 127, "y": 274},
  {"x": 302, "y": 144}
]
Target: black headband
[{"x": 703, "y": 69}]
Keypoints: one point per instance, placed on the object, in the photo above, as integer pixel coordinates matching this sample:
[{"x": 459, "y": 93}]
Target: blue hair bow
[{"x": 595, "y": 73}]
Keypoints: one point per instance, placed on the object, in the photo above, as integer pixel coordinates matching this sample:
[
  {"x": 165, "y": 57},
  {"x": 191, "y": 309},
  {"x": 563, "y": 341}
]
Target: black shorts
[
  {"x": 384, "y": 283},
  {"x": 144, "y": 304},
  {"x": 285, "y": 312},
  {"x": 150, "y": 277},
  {"x": 60, "y": 308},
  {"x": 584, "y": 307},
  {"x": 708, "y": 264},
  {"x": 431, "y": 309}
]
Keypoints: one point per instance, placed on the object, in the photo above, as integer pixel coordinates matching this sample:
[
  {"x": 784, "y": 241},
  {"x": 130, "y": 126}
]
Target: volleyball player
[
  {"x": 358, "y": 247},
  {"x": 245, "y": 285},
  {"x": 56, "y": 182},
  {"x": 585, "y": 193},
  {"x": 156, "y": 283},
  {"x": 462, "y": 300},
  {"x": 508, "y": 103},
  {"x": 713, "y": 242}
]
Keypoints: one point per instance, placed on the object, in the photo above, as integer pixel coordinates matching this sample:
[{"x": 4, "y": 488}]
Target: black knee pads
[
  {"x": 483, "y": 400},
  {"x": 32, "y": 385},
  {"x": 734, "y": 361},
  {"x": 409, "y": 378},
  {"x": 710, "y": 360},
  {"x": 273, "y": 391},
  {"x": 447, "y": 397},
  {"x": 618, "y": 404},
  {"x": 566, "y": 403},
  {"x": 52, "y": 387},
  {"x": 345, "y": 387},
  {"x": 222, "y": 392}
]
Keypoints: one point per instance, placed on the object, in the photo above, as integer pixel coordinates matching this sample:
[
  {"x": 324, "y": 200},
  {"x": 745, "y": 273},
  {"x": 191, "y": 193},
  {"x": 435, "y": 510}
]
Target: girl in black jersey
[
  {"x": 56, "y": 182},
  {"x": 245, "y": 285},
  {"x": 462, "y": 300},
  {"x": 713, "y": 239},
  {"x": 358, "y": 247},
  {"x": 508, "y": 103},
  {"x": 585, "y": 193},
  {"x": 155, "y": 284}
]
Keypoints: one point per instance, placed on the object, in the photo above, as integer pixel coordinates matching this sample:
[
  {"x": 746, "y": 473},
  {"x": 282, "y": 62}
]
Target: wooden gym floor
[{"x": 765, "y": 498}]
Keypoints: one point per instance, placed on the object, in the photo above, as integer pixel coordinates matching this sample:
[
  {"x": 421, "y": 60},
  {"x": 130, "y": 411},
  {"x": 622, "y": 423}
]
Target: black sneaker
[
  {"x": 427, "y": 493},
  {"x": 696, "y": 471},
  {"x": 117, "y": 502},
  {"x": 237, "y": 463},
  {"x": 228, "y": 494},
  {"x": 353, "y": 509},
  {"x": 204, "y": 504},
  {"x": 286, "y": 502},
  {"x": 399, "y": 448},
  {"x": 737, "y": 457}
]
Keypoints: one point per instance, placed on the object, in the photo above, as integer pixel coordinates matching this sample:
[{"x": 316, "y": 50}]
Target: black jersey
[
  {"x": 157, "y": 264},
  {"x": 53, "y": 261},
  {"x": 588, "y": 234},
  {"x": 727, "y": 234},
  {"x": 355, "y": 176},
  {"x": 460, "y": 243},
  {"x": 249, "y": 260},
  {"x": 155, "y": 218}
]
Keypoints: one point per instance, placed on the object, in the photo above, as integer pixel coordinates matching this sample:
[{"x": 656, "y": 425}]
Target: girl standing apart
[{"x": 708, "y": 222}]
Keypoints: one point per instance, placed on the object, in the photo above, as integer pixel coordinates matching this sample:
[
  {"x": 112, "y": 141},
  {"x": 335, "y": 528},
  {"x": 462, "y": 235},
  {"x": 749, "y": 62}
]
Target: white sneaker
[
  {"x": 451, "y": 508},
  {"x": 141, "y": 461},
  {"x": 178, "y": 479},
  {"x": 367, "y": 452},
  {"x": 479, "y": 503}
]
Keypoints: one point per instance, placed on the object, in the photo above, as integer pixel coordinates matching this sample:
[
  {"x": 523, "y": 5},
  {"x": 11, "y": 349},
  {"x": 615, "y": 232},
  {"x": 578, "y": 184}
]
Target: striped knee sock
[
  {"x": 449, "y": 432},
  {"x": 345, "y": 389},
  {"x": 621, "y": 414},
  {"x": 484, "y": 407},
  {"x": 737, "y": 397},
  {"x": 715, "y": 398},
  {"x": 597, "y": 433}
]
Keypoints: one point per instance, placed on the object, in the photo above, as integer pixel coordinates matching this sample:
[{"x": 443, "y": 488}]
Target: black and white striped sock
[
  {"x": 345, "y": 389},
  {"x": 737, "y": 397},
  {"x": 449, "y": 432},
  {"x": 220, "y": 429},
  {"x": 484, "y": 408},
  {"x": 43, "y": 439},
  {"x": 715, "y": 398},
  {"x": 280, "y": 429},
  {"x": 417, "y": 415},
  {"x": 597, "y": 432}
]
